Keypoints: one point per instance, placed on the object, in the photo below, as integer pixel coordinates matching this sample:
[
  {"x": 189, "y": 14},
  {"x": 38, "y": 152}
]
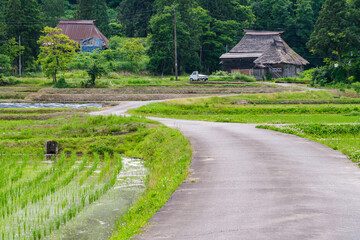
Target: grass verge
[
  {"x": 97, "y": 142},
  {"x": 343, "y": 137}
]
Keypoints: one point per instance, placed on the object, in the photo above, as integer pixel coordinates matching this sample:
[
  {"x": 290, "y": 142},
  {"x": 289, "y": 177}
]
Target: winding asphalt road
[{"x": 249, "y": 183}]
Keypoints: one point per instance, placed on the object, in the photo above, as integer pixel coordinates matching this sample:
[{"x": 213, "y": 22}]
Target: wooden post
[
  {"x": 176, "y": 63},
  {"x": 51, "y": 149}
]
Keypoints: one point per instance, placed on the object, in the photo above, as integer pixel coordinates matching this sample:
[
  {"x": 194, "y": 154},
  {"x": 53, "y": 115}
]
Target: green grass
[
  {"x": 53, "y": 194},
  {"x": 233, "y": 109},
  {"x": 343, "y": 137}
]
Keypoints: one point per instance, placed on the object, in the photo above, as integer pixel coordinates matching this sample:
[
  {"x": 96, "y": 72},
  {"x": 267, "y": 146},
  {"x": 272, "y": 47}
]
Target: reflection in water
[{"x": 98, "y": 220}]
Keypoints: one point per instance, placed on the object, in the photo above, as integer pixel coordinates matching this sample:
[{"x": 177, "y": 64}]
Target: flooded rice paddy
[{"x": 69, "y": 198}]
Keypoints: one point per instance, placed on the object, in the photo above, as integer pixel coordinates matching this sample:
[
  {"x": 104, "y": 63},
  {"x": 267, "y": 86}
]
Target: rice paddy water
[{"x": 69, "y": 198}]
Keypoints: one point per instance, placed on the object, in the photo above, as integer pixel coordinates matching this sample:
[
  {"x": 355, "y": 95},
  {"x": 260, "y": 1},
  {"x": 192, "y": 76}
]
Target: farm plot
[{"x": 38, "y": 197}]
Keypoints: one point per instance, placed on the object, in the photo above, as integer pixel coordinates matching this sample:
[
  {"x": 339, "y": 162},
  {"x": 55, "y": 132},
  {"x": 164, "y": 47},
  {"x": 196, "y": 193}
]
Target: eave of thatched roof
[
  {"x": 241, "y": 55},
  {"x": 279, "y": 52},
  {"x": 267, "y": 47}
]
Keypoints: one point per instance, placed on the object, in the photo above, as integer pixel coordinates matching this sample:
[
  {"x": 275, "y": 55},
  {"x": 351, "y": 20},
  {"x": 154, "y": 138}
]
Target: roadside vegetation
[
  {"x": 39, "y": 197},
  {"x": 305, "y": 107},
  {"x": 342, "y": 137}
]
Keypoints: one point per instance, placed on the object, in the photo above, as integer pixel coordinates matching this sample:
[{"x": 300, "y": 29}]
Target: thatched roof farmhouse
[
  {"x": 262, "y": 52},
  {"x": 85, "y": 33}
]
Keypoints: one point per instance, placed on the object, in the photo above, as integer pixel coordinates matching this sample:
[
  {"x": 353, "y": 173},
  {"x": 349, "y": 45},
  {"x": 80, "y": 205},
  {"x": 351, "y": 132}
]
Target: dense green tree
[
  {"x": 274, "y": 15},
  {"x": 162, "y": 36},
  {"x": 332, "y": 34},
  {"x": 52, "y": 9},
  {"x": 94, "y": 10},
  {"x": 24, "y": 19},
  {"x": 304, "y": 26},
  {"x": 237, "y": 10},
  {"x": 12, "y": 49},
  {"x": 57, "y": 51},
  {"x": 3, "y": 4},
  {"x": 134, "y": 16}
]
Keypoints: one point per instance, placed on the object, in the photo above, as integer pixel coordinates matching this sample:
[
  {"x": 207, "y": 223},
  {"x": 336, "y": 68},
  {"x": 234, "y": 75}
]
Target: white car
[{"x": 195, "y": 76}]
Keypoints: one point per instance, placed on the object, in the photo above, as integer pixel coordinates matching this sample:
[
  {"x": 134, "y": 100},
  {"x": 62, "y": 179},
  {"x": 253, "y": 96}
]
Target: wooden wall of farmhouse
[{"x": 231, "y": 65}]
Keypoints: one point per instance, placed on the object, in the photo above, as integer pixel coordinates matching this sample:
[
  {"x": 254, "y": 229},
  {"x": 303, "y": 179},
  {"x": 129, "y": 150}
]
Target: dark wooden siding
[{"x": 238, "y": 64}]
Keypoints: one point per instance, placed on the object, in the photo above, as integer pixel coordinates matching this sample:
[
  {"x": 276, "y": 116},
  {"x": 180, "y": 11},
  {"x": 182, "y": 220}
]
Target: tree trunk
[
  {"x": 339, "y": 56},
  {"x": 54, "y": 78}
]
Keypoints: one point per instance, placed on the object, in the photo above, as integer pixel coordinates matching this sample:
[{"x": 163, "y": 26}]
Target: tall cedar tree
[
  {"x": 304, "y": 26},
  {"x": 53, "y": 10},
  {"x": 24, "y": 18},
  {"x": 187, "y": 34},
  {"x": 94, "y": 10},
  {"x": 134, "y": 15},
  {"x": 331, "y": 34},
  {"x": 3, "y": 4}
]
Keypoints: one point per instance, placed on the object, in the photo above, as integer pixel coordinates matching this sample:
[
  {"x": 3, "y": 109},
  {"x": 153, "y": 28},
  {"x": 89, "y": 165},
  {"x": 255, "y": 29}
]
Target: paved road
[{"x": 249, "y": 183}]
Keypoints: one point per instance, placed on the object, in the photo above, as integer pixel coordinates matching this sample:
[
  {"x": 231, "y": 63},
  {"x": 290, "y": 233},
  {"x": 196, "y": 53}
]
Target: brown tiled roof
[
  {"x": 260, "y": 46},
  {"x": 79, "y": 30}
]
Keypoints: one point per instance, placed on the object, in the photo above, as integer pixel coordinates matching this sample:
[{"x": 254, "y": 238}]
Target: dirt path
[{"x": 249, "y": 183}]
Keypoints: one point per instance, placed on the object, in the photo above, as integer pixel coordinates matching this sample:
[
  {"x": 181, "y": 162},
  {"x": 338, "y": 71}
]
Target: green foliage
[
  {"x": 343, "y": 137},
  {"x": 356, "y": 87},
  {"x": 243, "y": 77},
  {"x": 5, "y": 63},
  {"x": 18, "y": 13},
  {"x": 61, "y": 83},
  {"x": 12, "y": 49},
  {"x": 331, "y": 34},
  {"x": 96, "y": 10},
  {"x": 133, "y": 51},
  {"x": 328, "y": 74},
  {"x": 57, "y": 51},
  {"x": 134, "y": 17},
  {"x": 95, "y": 71},
  {"x": 53, "y": 10}
]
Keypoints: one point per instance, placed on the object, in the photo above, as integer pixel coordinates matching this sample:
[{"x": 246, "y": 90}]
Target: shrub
[
  {"x": 356, "y": 86},
  {"x": 3, "y": 81},
  {"x": 221, "y": 74},
  {"x": 95, "y": 71},
  {"x": 243, "y": 77},
  {"x": 61, "y": 83}
]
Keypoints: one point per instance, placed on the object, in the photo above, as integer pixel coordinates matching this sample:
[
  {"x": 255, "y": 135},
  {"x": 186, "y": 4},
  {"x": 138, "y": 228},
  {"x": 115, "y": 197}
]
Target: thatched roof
[
  {"x": 78, "y": 30},
  {"x": 280, "y": 52},
  {"x": 260, "y": 46}
]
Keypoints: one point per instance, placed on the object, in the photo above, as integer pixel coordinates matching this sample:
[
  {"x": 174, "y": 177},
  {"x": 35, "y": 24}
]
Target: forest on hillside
[{"x": 205, "y": 28}]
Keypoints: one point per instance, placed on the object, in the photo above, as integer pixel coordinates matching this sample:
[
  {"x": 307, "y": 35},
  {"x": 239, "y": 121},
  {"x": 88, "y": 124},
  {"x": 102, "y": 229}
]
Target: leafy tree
[
  {"x": 12, "y": 50},
  {"x": 331, "y": 34},
  {"x": 134, "y": 16},
  {"x": 95, "y": 70},
  {"x": 133, "y": 51},
  {"x": 5, "y": 63},
  {"x": 161, "y": 39},
  {"x": 94, "y": 10},
  {"x": 57, "y": 50}
]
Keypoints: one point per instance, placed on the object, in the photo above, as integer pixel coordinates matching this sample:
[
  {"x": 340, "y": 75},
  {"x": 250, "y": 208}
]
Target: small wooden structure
[{"x": 263, "y": 52}]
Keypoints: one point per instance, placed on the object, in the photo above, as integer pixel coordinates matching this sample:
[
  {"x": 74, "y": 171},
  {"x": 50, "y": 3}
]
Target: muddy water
[
  {"x": 98, "y": 220},
  {"x": 47, "y": 105}
]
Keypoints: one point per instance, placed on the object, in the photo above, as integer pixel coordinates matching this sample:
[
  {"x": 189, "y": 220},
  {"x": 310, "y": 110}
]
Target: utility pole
[
  {"x": 19, "y": 56},
  {"x": 176, "y": 63}
]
